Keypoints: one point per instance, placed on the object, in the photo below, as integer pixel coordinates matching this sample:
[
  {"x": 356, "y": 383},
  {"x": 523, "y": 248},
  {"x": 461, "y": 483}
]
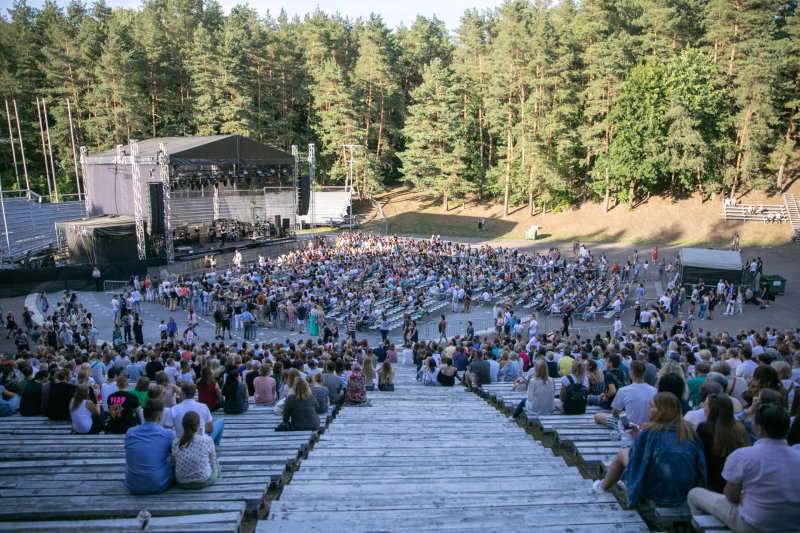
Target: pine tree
[
  {"x": 118, "y": 98},
  {"x": 434, "y": 156},
  {"x": 379, "y": 98},
  {"x": 335, "y": 120}
]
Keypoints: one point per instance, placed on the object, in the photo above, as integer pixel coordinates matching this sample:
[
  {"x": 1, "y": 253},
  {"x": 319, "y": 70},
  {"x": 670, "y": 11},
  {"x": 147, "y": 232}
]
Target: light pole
[{"x": 351, "y": 161}]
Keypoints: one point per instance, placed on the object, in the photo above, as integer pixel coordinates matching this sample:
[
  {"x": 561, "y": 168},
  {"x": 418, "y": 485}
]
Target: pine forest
[{"x": 536, "y": 103}]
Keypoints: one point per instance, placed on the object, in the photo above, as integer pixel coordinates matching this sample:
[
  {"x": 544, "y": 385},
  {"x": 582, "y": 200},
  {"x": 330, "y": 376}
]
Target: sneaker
[
  {"x": 597, "y": 488},
  {"x": 623, "y": 486}
]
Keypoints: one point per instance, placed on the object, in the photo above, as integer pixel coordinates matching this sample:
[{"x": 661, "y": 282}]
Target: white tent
[{"x": 710, "y": 265}]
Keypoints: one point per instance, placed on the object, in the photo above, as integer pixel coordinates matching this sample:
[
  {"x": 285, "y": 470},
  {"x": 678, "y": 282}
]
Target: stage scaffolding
[{"x": 174, "y": 183}]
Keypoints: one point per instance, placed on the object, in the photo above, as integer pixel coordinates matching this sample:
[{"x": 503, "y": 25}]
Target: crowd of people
[{"x": 686, "y": 404}]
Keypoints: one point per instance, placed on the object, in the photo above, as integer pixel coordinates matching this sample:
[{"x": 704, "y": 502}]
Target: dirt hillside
[{"x": 658, "y": 220}]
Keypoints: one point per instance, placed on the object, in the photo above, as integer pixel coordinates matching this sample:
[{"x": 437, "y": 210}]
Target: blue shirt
[
  {"x": 134, "y": 372},
  {"x": 147, "y": 451}
]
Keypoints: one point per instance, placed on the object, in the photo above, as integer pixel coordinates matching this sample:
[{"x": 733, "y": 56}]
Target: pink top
[{"x": 264, "y": 390}]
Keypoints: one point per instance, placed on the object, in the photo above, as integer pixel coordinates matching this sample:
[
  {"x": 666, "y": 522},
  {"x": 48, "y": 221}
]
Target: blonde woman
[
  {"x": 541, "y": 391},
  {"x": 386, "y": 376},
  {"x": 171, "y": 391},
  {"x": 368, "y": 369},
  {"x": 300, "y": 411}
]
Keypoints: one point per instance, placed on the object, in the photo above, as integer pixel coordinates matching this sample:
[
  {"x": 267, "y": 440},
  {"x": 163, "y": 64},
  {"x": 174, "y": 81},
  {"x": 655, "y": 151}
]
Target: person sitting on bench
[
  {"x": 762, "y": 489},
  {"x": 147, "y": 453},
  {"x": 666, "y": 460}
]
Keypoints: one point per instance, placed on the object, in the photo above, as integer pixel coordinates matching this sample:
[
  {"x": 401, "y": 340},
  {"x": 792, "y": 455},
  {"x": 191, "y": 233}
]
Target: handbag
[
  {"x": 279, "y": 406},
  {"x": 386, "y": 387}
]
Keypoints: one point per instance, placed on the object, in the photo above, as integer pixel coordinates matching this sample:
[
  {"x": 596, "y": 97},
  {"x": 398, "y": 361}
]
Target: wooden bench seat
[
  {"x": 707, "y": 522},
  {"x": 54, "y": 480},
  {"x": 225, "y": 522}
]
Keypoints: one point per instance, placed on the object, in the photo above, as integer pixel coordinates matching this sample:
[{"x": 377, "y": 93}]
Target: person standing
[
  {"x": 97, "y": 276},
  {"x": 443, "y": 329},
  {"x": 566, "y": 320},
  {"x": 383, "y": 326}
]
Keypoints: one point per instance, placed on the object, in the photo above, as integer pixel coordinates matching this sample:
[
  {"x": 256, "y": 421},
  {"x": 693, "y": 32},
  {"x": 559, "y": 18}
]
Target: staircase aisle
[
  {"x": 793, "y": 212},
  {"x": 437, "y": 459}
]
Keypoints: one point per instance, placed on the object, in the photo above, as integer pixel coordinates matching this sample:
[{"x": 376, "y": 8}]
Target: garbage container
[
  {"x": 777, "y": 284},
  {"x": 530, "y": 233}
]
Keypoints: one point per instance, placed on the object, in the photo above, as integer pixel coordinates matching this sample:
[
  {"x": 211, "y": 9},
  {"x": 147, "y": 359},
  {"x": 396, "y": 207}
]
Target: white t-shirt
[
  {"x": 746, "y": 369},
  {"x": 696, "y": 417},
  {"x": 633, "y": 399},
  {"x": 566, "y": 383},
  {"x": 184, "y": 407}
]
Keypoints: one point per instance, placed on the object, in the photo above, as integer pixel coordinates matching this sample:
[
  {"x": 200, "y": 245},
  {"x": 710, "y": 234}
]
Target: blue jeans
[
  {"x": 520, "y": 407},
  {"x": 595, "y": 400},
  {"x": 216, "y": 435},
  {"x": 702, "y": 312}
]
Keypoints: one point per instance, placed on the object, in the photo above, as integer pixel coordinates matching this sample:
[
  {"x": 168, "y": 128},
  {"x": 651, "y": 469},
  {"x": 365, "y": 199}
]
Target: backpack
[{"x": 575, "y": 398}]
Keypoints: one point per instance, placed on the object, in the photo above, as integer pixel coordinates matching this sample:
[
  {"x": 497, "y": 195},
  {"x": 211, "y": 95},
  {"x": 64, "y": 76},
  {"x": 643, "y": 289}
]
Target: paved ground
[{"x": 785, "y": 313}]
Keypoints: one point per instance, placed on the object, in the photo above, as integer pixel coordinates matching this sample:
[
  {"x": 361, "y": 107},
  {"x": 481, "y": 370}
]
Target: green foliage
[{"x": 544, "y": 103}]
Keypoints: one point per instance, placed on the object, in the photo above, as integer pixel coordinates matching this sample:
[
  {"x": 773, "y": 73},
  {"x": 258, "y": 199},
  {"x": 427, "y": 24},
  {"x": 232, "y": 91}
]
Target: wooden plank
[
  {"x": 211, "y": 522},
  {"x": 707, "y": 522}
]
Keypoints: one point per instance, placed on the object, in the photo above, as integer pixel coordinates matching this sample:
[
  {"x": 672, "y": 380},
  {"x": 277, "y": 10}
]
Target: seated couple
[{"x": 151, "y": 450}]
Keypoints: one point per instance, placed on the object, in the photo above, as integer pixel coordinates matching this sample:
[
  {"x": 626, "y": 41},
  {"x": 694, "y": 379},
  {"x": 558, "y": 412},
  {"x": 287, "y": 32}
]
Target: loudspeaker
[
  {"x": 285, "y": 224},
  {"x": 156, "y": 222},
  {"x": 303, "y": 195},
  {"x": 278, "y": 225}
]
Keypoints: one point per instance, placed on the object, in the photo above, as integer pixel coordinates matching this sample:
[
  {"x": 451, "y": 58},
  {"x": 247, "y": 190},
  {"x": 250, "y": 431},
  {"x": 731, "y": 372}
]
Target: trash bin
[
  {"x": 530, "y": 233},
  {"x": 777, "y": 284}
]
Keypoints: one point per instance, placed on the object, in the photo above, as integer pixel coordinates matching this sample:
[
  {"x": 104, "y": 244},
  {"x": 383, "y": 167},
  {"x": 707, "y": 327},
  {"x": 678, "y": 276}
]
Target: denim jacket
[{"x": 662, "y": 470}]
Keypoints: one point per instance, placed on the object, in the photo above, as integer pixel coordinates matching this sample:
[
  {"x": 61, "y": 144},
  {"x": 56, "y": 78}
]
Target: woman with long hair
[
  {"x": 666, "y": 460},
  {"x": 430, "y": 372},
  {"x": 764, "y": 377},
  {"x": 721, "y": 434},
  {"x": 235, "y": 393},
  {"x": 541, "y": 391},
  {"x": 386, "y": 376},
  {"x": 171, "y": 391},
  {"x": 369, "y": 373},
  {"x": 84, "y": 412},
  {"x": 300, "y": 411},
  {"x": 594, "y": 377},
  {"x": 208, "y": 391},
  {"x": 196, "y": 464}
]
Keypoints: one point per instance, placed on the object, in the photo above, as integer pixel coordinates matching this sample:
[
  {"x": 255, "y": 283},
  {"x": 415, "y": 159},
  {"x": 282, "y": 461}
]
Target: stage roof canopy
[
  {"x": 715, "y": 259},
  {"x": 203, "y": 150}
]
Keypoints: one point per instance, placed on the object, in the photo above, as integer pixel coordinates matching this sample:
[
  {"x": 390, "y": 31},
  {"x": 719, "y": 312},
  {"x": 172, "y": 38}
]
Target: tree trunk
[
  {"x": 740, "y": 148},
  {"x": 700, "y": 186},
  {"x": 608, "y": 190},
  {"x": 789, "y": 129},
  {"x": 672, "y": 187},
  {"x": 509, "y": 154},
  {"x": 480, "y": 133},
  {"x": 530, "y": 191},
  {"x": 630, "y": 195},
  {"x": 446, "y": 205}
]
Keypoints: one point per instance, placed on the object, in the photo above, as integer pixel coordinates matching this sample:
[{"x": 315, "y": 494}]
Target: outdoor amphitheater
[
  {"x": 409, "y": 460},
  {"x": 417, "y": 267}
]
